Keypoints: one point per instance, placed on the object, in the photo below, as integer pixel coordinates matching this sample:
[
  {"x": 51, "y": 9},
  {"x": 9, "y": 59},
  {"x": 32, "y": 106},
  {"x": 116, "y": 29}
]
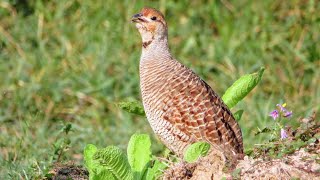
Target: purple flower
[
  {"x": 283, "y": 134},
  {"x": 274, "y": 114},
  {"x": 282, "y": 109},
  {"x": 287, "y": 114},
  {"x": 284, "y": 112}
]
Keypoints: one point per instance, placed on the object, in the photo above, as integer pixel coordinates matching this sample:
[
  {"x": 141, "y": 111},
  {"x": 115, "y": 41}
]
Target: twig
[
  {"x": 12, "y": 41},
  {"x": 228, "y": 5}
]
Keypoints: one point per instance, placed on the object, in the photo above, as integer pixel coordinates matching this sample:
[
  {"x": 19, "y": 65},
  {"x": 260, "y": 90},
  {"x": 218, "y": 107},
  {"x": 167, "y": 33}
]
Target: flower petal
[
  {"x": 287, "y": 114},
  {"x": 283, "y": 134},
  {"x": 274, "y": 114}
]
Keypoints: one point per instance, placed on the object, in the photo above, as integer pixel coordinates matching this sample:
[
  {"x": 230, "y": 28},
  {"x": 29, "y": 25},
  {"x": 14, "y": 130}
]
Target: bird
[{"x": 181, "y": 108}]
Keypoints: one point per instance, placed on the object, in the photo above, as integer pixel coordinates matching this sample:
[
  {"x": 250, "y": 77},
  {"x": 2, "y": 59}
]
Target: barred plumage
[{"x": 180, "y": 107}]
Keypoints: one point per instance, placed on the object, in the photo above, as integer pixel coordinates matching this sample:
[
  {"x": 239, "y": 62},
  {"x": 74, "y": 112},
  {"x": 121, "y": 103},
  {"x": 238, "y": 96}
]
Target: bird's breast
[{"x": 154, "y": 85}]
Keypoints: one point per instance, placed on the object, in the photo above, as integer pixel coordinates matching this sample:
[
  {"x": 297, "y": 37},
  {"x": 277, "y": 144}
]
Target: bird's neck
[{"x": 155, "y": 50}]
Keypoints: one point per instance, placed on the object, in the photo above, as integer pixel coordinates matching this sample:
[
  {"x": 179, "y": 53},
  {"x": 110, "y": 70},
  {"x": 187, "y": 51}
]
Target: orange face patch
[
  {"x": 150, "y": 12},
  {"x": 151, "y": 27}
]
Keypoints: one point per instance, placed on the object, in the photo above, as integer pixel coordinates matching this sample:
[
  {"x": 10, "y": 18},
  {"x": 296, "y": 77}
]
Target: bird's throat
[
  {"x": 155, "y": 48},
  {"x": 146, "y": 43}
]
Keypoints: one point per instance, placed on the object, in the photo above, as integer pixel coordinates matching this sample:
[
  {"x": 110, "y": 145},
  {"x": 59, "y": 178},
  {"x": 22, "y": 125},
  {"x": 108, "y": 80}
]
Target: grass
[{"x": 69, "y": 61}]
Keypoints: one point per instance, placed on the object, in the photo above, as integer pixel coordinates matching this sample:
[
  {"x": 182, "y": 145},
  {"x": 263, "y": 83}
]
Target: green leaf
[
  {"x": 139, "y": 153},
  {"x": 264, "y": 130},
  {"x": 156, "y": 171},
  {"x": 96, "y": 171},
  {"x": 237, "y": 115},
  {"x": 89, "y": 151},
  {"x": 239, "y": 89},
  {"x": 113, "y": 160},
  {"x": 102, "y": 174},
  {"x": 67, "y": 128},
  {"x": 196, "y": 150},
  {"x": 134, "y": 107}
]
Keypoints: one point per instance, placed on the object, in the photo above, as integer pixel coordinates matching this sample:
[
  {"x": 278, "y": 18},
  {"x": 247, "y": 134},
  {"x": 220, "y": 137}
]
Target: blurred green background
[{"x": 69, "y": 61}]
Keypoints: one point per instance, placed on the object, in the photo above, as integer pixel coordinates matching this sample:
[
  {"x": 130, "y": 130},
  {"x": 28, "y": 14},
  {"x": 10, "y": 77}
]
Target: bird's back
[{"x": 182, "y": 109}]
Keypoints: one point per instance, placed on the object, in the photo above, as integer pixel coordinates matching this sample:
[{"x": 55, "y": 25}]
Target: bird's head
[{"x": 151, "y": 24}]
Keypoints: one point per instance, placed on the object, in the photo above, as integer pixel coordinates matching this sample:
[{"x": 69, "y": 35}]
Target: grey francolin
[{"x": 181, "y": 108}]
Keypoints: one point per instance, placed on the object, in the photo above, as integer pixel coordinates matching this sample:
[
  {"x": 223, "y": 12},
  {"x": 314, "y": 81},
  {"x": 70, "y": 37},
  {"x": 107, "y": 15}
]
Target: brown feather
[{"x": 187, "y": 107}]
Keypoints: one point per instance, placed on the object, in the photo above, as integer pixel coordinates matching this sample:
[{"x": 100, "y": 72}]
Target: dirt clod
[
  {"x": 209, "y": 167},
  {"x": 68, "y": 171}
]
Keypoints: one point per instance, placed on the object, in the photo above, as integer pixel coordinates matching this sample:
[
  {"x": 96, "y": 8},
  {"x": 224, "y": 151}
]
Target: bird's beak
[{"x": 138, "y": 18}]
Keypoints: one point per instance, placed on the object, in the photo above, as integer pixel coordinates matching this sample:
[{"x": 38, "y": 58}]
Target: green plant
[
  {"x": 62, "y": 144},
  {"x": 240, "y": 88},
  {"x": 278, "y": 147},
  {"x": 134, "y": 107},
  {"x": 196, "y": 150},
  {"x": 139, "y": 154},
  {"x": 112, "y": 163},
  {"x": 284, "y": 139}
]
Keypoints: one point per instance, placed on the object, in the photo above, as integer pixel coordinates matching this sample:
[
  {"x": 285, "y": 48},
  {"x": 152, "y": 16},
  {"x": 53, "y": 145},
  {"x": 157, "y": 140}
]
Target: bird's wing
[{"x": 195, "y": 109}]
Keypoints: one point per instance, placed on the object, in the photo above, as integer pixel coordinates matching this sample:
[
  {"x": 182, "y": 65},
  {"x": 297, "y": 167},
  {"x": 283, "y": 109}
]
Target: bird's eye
[{"x": 154, "y": 18}]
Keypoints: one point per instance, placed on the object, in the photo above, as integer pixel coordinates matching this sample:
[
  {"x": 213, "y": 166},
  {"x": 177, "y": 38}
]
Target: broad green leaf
[
  {"x": 101, "y": 175},
  {"x": 139, "y": 153},
  {"x": 156, "y": 171},
  {"x": 194, "y": 151},
  {"x": 237, "y": 115},
  {"x": 89, "y": 151},
  {"x": 115, "y": 161},
  {"x": 134, "y": 107},
  {"x": 96, "y": 172},
  {"x": 239, "y": 89}
]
